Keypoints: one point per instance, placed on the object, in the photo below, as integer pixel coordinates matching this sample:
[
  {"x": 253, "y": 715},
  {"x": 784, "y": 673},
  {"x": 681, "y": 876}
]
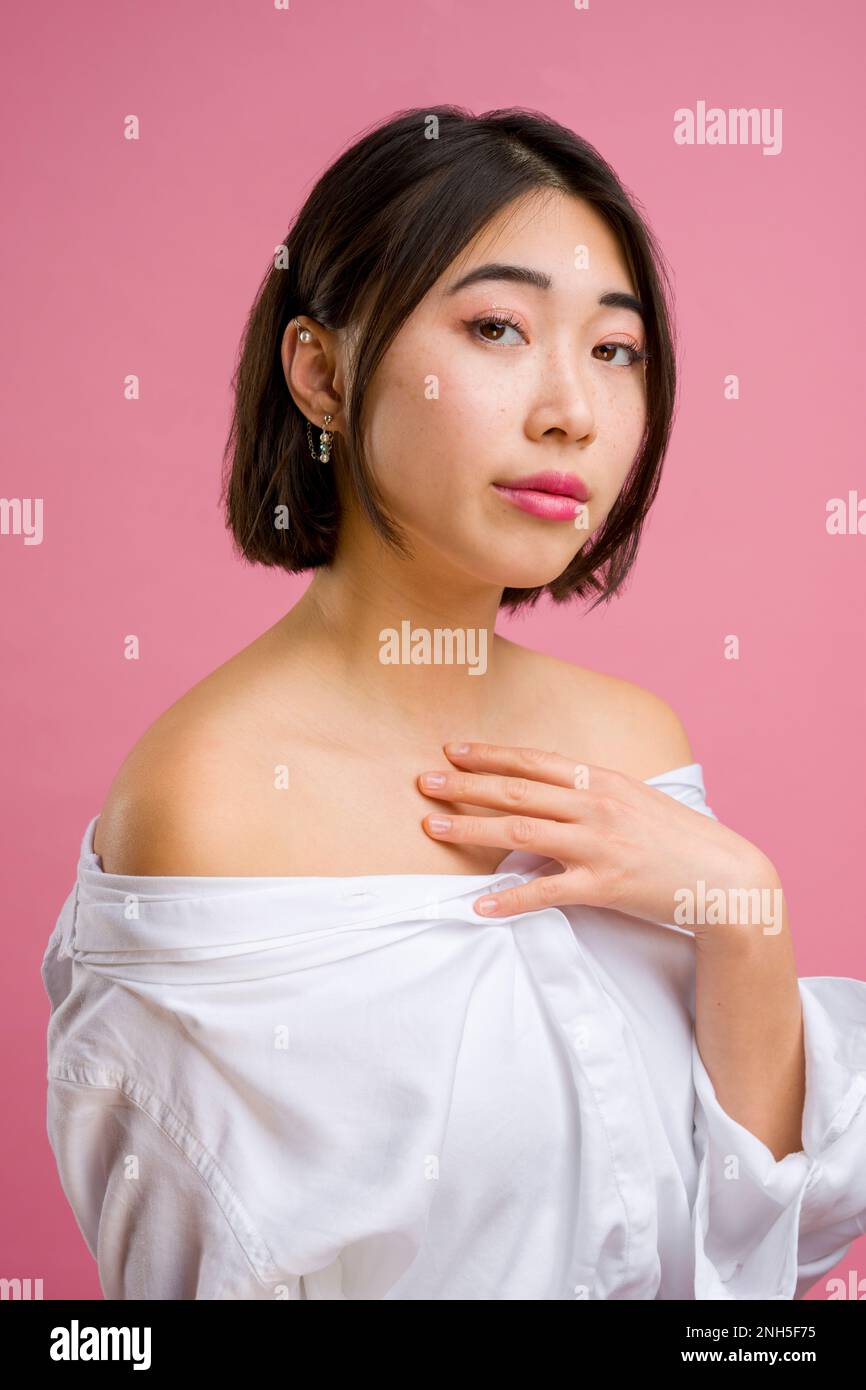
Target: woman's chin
[{"x": 523, "y": 576}]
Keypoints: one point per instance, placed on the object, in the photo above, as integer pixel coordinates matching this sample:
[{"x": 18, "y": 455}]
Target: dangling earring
[{"x": 324, "y": 454}]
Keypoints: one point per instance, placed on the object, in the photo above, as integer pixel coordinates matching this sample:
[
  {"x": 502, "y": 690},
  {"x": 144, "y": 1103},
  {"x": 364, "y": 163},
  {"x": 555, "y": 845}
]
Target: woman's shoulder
[
  {"x": 608, "y": 720},
  {"x": 163, "y": 797},
  {"x": 182, "y": 786}
]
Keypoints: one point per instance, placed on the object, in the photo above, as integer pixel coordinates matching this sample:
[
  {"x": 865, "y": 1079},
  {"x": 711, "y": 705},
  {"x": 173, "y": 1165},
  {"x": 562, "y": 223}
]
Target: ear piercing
[{"x": 324, "y": 454}]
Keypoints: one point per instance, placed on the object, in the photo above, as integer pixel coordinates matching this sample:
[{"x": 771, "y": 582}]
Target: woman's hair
[{"x": 377, "y": 231}]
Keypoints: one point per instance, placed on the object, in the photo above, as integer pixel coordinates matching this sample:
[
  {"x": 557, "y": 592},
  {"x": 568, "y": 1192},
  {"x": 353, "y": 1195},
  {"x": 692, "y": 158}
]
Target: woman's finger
[
  {"x": 533, "y": 763},
  {"x": 550, "y": 839},
  {"x": 517, "y": 794},
  {"x": 574, "y": 887}
]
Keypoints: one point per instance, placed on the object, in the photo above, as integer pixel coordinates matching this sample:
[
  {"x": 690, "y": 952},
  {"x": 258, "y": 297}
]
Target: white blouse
[{"x": 357, "y": 1088}]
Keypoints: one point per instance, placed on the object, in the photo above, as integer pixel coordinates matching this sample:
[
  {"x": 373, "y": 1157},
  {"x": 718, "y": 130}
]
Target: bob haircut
[{"x": 376, "y": 232}]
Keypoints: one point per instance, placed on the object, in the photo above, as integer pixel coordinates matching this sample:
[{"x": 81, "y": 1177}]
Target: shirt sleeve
[
  {"x": 155, "y": 1226},
  {"x": 766, "y": 1228}
]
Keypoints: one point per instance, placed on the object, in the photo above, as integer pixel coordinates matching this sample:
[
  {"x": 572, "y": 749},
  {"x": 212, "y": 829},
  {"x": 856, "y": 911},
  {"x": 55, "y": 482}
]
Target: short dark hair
[{"x": 376, "y": 232}]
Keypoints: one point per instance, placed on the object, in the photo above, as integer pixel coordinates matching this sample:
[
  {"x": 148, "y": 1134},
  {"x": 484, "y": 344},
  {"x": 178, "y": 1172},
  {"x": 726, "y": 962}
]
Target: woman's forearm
[{"x": 749, "y": 1026}]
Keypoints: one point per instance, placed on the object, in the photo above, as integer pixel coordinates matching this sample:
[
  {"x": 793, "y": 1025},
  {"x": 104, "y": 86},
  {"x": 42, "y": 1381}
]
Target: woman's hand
[{"x": 622, "y": 844}]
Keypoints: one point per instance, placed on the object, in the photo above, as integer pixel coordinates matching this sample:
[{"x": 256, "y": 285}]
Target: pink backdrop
[{"x": 143, "y": 257}]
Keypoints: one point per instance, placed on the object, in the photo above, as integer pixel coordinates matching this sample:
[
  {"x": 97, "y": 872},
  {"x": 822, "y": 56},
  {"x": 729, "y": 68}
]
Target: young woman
[{"x": 291, "y": 1055}]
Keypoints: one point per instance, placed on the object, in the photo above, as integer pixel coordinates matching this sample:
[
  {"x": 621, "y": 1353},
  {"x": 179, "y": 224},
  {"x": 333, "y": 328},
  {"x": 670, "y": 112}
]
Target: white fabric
[{"x": 357, "y": 1088}]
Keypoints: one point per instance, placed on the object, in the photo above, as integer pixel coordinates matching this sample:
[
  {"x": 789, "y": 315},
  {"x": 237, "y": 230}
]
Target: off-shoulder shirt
[{"x": 357, "y": 1088}]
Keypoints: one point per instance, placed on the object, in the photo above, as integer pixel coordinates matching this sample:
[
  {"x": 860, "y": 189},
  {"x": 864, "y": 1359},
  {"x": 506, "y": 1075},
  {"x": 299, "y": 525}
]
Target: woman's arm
[
  {"x": 156, "y": 1227},
  {"x": 749, "y": 1022}
]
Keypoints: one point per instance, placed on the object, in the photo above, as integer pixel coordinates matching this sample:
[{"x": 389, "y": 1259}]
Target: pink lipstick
[{"x": 556, "y": 496}]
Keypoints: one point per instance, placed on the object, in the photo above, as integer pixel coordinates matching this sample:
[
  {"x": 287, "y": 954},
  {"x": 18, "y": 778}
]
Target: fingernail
[
  {"x": 439, "y": 823},
  {"x": 433, "y": 779},
  {"x": 486, "y": 905},
  {"x": 457, "y": 747}
]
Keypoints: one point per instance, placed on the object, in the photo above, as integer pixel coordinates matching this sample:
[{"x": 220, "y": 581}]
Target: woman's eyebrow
[{"x": 539, "y": 280}]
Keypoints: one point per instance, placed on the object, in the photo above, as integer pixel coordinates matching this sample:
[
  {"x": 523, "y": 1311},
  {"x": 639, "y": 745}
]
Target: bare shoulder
[
  {"x": 609, "y": 721},
  {"x": 186, "y": 786},
  {"x": 165, "y": 809}
]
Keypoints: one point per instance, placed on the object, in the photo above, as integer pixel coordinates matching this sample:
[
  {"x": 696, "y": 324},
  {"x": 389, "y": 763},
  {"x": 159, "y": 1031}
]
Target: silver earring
[{"x": 324, "y": 454}]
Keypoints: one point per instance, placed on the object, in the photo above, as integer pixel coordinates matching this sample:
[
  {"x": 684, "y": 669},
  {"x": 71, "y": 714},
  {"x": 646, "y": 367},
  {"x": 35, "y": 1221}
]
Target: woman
[{"x": 290, "y": 1055}]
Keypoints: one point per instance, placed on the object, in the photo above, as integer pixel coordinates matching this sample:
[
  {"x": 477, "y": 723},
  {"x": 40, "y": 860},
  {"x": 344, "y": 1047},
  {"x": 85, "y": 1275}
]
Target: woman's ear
[{"x": 313, "y": 368}]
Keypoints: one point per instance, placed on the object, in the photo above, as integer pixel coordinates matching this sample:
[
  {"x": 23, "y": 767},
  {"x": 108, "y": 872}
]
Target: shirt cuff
[{"x": 765, "y": 1228}]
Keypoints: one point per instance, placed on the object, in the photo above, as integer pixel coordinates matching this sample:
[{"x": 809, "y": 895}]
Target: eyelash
[{"x": 507, "y": 320}]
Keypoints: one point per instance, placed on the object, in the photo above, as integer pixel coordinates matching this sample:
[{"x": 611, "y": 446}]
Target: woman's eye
[
  {"x": 633, "y": 354},
  {"x": 500, "y": 326},
  {"x": 493, "y": 329}
]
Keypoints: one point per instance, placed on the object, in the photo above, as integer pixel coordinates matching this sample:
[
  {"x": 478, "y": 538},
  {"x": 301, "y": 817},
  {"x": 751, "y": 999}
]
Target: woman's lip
[
  {"x": 551, "y": 480},
  {"x": 555, "y": 506}
]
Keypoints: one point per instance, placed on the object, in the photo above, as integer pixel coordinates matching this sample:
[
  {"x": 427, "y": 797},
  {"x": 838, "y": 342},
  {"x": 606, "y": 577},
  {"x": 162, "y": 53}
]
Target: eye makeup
[{"x": 506, "y": 319}]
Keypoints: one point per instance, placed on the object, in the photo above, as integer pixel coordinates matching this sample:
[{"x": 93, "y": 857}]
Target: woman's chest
[{"x": 333, "y": 811}]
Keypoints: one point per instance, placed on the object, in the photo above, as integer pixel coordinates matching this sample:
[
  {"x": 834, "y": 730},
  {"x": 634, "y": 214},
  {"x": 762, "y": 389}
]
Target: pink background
[{"x": 144, "y": 257}]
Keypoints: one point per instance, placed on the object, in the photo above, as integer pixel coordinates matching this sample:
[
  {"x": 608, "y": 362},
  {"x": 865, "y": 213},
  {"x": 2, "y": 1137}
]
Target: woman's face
[{"x": 501, "y": 379}]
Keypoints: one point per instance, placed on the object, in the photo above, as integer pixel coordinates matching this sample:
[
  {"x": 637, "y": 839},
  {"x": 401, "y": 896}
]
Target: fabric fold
[{"x": 768, "y": 1229}]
